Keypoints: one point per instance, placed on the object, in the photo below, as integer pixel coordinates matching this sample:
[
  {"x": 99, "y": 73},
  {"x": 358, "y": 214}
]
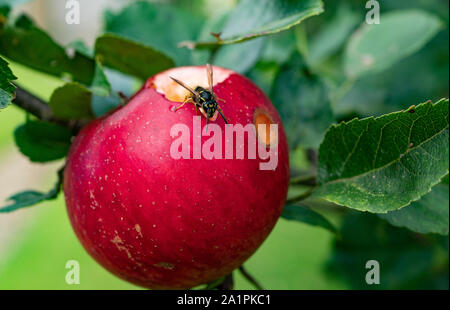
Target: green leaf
[
  {"x": 383, "y": 164},
  {"x": 213, "y": 24},
  {"x": 252, "y": 19},
  {"x": 82, "y": 48},
  {"x": 101, "y": 105},
  {"x": 305, "y": 215},
  {"x": 100, "y": 84},
  {"x": 430, "y": 214},
  {"x": 332, "y": 36},
  {"x": 374, "y": 48},
  {"x": 406, "y": 262},
  {"x": 279, "y": 48},
  {"x": 130, "y": 57},
  {"x": 120, "y": 83},
  {"x": 239, "y": 57},
  {"x": 7, "y": 89},
  {"x": 302, "y": 101},
  {"x": 263, "y": 74},
  {"x": 71, "y": 101},
  {"x": 394, "y": 89},
  {"x": 159, "y": 26},
  {"x": 30, "y": 46},
  {"x": 30, "y": 198},
  {"x": 42, "y": 141}
]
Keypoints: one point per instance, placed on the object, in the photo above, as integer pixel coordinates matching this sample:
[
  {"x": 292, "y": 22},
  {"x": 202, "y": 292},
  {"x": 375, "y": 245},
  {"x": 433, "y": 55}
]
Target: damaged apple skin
[{"x": 165, "y": 223}]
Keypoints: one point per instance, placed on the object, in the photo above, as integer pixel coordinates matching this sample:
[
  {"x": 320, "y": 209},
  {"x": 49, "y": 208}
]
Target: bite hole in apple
[
  {"x": 191, "y": 76},
  {"x": 267, "y": 137}
]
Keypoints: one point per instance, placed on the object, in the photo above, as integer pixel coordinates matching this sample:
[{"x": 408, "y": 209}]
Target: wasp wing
[{"x": 209, "y": 72}]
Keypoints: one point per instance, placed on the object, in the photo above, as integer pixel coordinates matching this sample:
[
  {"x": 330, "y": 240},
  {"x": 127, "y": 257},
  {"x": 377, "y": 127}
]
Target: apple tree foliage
[{"x": 364, "y": 105}]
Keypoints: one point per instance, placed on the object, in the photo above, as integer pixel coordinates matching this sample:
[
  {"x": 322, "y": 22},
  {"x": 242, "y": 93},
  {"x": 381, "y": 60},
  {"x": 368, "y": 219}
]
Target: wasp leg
[
  {"x": 181, "y": 105},
  {"x": 220, "y": 99}
]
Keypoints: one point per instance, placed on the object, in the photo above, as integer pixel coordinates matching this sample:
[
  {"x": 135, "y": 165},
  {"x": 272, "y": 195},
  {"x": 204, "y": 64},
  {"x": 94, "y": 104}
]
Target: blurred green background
[{"x": 36, "y": 243}]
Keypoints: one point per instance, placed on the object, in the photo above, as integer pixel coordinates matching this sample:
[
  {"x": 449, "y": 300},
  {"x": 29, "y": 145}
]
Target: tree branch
[
  {"x": 33, "y": 105},
  {"x": 42, "y": 110},
  {"x": 250, "y": 278}
]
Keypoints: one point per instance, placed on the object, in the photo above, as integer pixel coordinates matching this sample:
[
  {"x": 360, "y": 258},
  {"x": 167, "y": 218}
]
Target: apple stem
[{"x": 250, "y": 278}]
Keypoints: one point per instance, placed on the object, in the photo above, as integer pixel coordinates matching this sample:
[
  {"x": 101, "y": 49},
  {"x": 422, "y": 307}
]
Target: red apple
[{"x": 166, "y": 223}]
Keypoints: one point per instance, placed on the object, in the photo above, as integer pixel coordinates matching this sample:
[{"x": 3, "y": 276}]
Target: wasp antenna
[{"x": 184, "y": 86}]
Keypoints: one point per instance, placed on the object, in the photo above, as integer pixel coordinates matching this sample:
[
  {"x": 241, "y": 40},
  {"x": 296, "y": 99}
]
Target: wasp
[{"x": 204, "y": 99}]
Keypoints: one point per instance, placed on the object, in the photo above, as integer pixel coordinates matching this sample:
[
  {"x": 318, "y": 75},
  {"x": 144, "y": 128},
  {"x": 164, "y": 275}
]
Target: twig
[
  {"x": 217, "y": 36},
  {"x": 308, "y": 180},
  {"x": 42, "y": 110},
  {"x": 33, "y": 105},
  {"x": 250, "y": 278},
  {"x": 301, "y": 196},
  {"x": 227, "y": 284},
  {"x": 312, "y": 156}
]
